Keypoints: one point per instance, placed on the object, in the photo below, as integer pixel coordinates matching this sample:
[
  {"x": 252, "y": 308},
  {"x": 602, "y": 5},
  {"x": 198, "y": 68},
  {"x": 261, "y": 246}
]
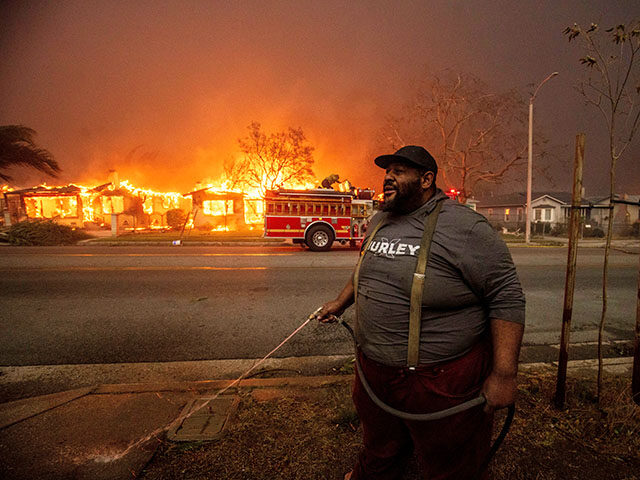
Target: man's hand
[
  {"x": 499, "y": 390},
  {"x": 500, "y": 387},
  {"x": 330, "y": 311},
  {"x": 335, "y": 308}
]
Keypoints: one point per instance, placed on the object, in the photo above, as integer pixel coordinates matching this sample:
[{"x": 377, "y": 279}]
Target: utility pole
[{"x": 527, "y": 235}]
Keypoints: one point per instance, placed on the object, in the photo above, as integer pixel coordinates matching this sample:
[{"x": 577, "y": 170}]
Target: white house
[{"x": 553, "y": 209}]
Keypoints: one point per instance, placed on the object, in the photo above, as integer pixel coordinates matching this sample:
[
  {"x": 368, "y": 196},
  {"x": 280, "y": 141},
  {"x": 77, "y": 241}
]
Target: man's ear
[{"x": 427, "y": 180}]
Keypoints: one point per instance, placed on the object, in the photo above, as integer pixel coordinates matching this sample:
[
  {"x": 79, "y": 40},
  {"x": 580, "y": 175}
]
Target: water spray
[{"x": 184, "y": 416}]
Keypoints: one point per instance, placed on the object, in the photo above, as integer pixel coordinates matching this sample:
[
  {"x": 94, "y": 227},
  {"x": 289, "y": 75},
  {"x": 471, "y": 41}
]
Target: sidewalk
[
  {"x": 633, "y": 245},
  {"x": 630, "y": 244},
  {"x": 83, "y": 434}
]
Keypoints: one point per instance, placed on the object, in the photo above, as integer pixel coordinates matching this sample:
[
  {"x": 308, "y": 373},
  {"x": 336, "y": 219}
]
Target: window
[
  {"x": 217, "y": 207},
  {"x": 51, "y": 207},
  {"x": 547, "y": 214},
  {"x": 537, "y": 214},
  {"x": 147, "y": 206},
  {"x": 519, "y": 214},
  {"x": 507, "y": 211},
  {"x": 112, "y": 204},
  {"x": 490, "y": 212}
]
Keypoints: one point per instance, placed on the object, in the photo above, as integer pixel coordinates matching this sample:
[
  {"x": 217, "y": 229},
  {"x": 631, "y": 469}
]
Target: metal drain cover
[{"x": 207, "y": 423}]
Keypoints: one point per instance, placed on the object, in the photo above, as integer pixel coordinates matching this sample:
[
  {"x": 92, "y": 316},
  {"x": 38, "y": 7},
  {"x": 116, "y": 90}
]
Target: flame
[
  {"x": 96, "y": 204},
  {"x": 169, "y": 199},
  {"x": 59, "y": 206},
  {"x": 253, "y": 200}
]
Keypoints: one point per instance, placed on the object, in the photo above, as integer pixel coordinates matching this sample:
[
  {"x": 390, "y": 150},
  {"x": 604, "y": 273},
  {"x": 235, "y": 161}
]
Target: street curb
[
  {"x": 617, "y": 363},
  {"x": 184, "y": 244},
  {"x": 179, "y": 371},
  {"x": 208, "y": 385}
]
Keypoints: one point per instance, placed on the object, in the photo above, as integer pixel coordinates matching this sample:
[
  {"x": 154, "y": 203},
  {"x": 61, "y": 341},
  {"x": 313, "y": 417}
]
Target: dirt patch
[{"x": 316, "y": 435}]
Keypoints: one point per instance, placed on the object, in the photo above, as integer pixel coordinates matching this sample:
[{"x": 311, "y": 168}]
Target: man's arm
[
  {"x": 500, "y": 386},
  {"x": 336, "y": 307}
]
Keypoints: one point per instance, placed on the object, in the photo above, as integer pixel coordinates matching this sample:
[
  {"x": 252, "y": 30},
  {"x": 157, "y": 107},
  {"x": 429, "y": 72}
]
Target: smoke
[{"x": 162, "y": 90}]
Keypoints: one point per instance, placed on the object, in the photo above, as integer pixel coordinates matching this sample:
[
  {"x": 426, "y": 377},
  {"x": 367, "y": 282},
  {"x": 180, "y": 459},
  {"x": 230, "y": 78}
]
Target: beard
[{"x": 406, "y": 198}]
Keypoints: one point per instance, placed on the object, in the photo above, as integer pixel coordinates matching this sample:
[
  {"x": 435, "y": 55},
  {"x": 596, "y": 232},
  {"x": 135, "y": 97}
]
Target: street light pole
[{"x": 527, "y": 235}]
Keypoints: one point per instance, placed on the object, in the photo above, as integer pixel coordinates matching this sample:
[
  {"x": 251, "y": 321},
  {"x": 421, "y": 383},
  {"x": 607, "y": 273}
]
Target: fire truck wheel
[{"x": 319, "y": 238}]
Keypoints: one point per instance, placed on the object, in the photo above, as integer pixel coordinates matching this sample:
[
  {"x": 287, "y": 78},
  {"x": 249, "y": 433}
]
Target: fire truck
[{"x": 317, "y": 217}]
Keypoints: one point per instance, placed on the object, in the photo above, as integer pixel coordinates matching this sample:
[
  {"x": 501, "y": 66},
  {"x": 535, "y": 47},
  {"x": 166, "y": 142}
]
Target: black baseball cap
[{"x": 411, "y": 154}]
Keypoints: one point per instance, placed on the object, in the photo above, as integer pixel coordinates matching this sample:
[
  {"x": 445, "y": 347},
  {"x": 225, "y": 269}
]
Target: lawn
[{"x": 313, "y": 433}]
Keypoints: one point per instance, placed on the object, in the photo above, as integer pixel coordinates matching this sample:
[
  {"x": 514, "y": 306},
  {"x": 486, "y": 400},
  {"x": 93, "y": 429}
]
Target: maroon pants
[{"x": 449, "y": 448}]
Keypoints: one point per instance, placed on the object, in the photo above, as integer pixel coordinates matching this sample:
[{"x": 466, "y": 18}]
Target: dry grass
[{"x": 315, "y": 435}]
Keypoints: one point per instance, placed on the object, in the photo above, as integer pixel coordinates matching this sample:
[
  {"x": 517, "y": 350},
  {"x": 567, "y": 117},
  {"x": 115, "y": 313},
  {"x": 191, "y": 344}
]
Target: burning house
[
  {"x": 65, "y": 205},
  {"x": 121, "y": 206},
  {"x": 129, "y": 208},
  {"x": 218, "y": 211}
]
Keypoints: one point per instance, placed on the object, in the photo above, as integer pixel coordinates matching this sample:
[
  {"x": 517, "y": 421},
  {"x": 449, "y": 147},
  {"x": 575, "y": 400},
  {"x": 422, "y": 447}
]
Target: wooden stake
[
  {"x": 635, "y": 379},
  {"x": 570, "y": 279}
]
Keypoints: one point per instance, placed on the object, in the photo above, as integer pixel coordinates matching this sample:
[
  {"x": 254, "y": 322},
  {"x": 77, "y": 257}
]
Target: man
[{"x": 463, "y": 338}]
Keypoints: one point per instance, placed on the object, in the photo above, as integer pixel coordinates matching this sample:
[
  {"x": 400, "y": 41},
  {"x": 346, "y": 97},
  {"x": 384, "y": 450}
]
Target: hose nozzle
[{"x": 328, "y": 319}]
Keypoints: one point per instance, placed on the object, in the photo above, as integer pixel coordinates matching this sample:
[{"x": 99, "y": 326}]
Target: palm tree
[{"x": 17, "y": 147}]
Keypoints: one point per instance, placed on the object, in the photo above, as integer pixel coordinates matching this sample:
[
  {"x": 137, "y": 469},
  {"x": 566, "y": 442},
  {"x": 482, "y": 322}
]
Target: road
[{"x": 95, "y": 305}]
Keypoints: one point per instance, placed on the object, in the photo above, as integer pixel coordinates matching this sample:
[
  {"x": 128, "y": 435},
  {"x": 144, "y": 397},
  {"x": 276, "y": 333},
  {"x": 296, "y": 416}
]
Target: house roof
[
  {"x": 603, "y": 201},
  {"x": 70, "y": 189},
  {"x": 509, "y": 200},
  {"x": 519, "y": 199},
  {"x": 215, "y": 195},
  {"x": 43, "y": 190}
]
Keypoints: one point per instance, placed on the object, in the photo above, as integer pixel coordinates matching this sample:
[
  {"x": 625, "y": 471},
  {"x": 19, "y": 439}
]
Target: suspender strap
[{"x": 417, "y": 288}]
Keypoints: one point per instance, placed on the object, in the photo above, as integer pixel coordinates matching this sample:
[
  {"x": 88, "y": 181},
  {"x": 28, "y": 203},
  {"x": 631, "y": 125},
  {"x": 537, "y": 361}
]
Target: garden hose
[{"x": 422, "y": 417}]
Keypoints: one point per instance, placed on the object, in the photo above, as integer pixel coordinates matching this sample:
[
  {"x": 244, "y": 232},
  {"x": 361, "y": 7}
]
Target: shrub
[
  {"x": 176, "y": 218},
  {"x": 43, "y": 232},
  {"x": 559, "y": 230},
  {"x": 593, "y": 232}
]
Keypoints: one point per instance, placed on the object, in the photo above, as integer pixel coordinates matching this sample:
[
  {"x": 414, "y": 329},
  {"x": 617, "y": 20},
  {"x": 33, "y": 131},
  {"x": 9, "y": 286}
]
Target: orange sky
[{"x": 177, "y": 82}]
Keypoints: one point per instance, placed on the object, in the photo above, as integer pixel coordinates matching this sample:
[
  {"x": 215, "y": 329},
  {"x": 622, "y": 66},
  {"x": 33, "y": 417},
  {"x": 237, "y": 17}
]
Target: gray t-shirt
[{"x": 470, "y": 278}]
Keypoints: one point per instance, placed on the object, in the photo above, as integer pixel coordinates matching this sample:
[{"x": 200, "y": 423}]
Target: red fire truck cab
[{"x": 317, "y": 217}]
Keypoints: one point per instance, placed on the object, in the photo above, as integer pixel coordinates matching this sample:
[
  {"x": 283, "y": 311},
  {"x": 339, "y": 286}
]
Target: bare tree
[
  {"x": 282, "y": 159},
  {"x": 612, "y": 87},
  {"x": 479, "y": 137},
  {"x": 235, "y": 174},
  {"x": 18, "y": 148}
]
